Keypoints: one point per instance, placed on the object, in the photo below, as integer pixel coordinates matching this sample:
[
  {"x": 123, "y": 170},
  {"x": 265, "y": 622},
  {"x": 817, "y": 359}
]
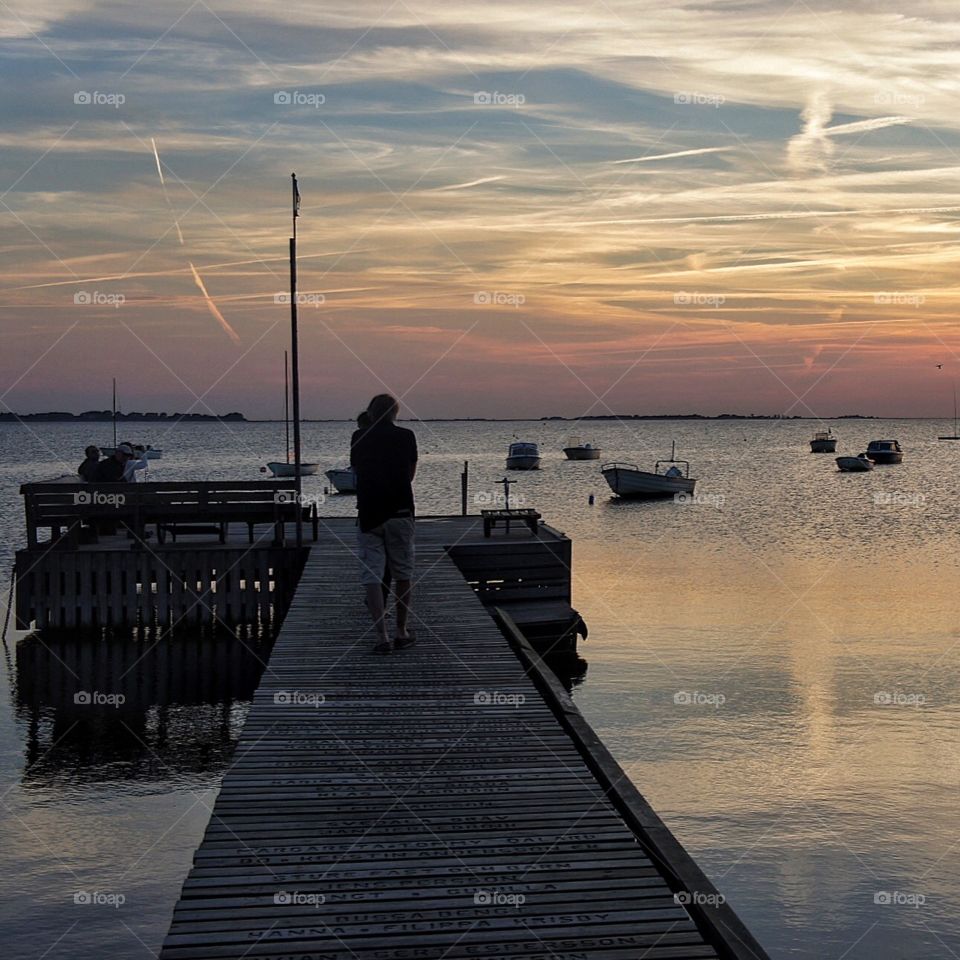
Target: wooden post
[{"x": 464, "y": 476}]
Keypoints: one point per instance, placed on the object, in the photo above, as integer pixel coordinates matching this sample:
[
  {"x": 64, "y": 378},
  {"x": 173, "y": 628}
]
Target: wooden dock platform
[{"x": 446, "y": 801}]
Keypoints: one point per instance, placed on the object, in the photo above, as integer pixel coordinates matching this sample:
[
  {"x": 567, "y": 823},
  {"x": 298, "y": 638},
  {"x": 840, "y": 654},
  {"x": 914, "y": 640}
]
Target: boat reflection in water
[{"x": 135, "y": 708}]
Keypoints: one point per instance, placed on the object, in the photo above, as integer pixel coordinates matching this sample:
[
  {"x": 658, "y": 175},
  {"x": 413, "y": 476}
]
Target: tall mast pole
[
  {"x": 295, "y": 358},
  {"x": 286, "y": 401},
  {"x": 114, "y": 413}
]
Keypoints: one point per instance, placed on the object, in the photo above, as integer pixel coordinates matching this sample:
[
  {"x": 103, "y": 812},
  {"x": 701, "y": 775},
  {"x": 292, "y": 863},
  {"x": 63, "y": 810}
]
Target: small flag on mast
[{"x": 296, "y": 196}]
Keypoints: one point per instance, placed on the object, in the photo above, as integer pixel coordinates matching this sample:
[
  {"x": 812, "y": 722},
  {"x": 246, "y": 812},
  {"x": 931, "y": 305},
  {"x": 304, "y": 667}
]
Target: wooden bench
[
  {"x": 527, "y": 515},
  {"x": 174, "y": 508}
]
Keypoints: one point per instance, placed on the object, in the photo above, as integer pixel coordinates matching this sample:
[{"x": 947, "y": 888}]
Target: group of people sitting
[{"x": 122, "y": 467}]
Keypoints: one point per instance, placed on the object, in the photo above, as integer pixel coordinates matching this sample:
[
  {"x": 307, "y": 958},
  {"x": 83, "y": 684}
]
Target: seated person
[
  {"x": 88, "y": 469},
  {"x": 111, "y": 469}
]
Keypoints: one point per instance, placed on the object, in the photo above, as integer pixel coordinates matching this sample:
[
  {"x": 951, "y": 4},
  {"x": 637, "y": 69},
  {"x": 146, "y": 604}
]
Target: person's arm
[{"x": 413, "y": 455}]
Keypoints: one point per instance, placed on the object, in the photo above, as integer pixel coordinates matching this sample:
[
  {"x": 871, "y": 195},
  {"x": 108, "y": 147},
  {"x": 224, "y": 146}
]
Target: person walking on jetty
[{"x": 384, "y": 457}]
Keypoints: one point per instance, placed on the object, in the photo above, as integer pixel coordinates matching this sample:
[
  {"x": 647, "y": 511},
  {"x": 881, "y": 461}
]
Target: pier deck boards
[{"x": 426, "y": 804}]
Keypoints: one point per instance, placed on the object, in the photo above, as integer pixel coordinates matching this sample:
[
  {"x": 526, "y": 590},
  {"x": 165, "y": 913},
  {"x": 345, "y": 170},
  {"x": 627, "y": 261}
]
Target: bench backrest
[{"x": 60, "y": 504}]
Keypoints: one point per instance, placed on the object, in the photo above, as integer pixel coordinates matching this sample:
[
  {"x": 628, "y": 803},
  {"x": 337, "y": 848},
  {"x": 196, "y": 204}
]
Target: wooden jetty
[{"x": 446, "y": 801}]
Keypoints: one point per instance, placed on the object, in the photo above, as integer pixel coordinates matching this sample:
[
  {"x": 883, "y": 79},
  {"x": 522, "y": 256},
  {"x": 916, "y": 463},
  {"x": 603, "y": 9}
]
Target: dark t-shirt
[
  {"x": 88, "y": 470},
  {"x": 109, "y": 470},
  {"x": 384, "y": 457}
]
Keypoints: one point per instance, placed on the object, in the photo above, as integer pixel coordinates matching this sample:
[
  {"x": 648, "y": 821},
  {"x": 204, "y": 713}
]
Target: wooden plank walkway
[{"x": 427, "y": 804}]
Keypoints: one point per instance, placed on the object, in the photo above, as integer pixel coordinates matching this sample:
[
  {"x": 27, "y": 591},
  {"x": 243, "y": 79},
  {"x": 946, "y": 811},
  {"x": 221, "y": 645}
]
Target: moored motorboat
[
  {"x": 856, "y": 464},
  {"x": 628, "y": 480},
  {"x": 149, "y": 453},
  {"x": 823, "y": 442},
  {"x": 523, "y": 456},
  {"x": 344, "y": 479},
  {"x": 885, "y": 451},
  {"x": 281, "y": 469},
  {"x": 575, "y": 450}
]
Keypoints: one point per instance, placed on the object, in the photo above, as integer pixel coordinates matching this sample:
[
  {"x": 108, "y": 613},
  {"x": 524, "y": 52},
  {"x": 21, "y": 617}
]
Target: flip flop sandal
[{"x": 383, "y": 648}]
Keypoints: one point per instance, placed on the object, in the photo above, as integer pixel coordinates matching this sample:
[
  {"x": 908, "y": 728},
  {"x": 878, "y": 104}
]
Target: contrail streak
[
  {"x": 197, "y": 279},
  {"x": 212, "y": 307},
  {"x": 163, "y": 183},
  {"x": 670, "y": 156}
]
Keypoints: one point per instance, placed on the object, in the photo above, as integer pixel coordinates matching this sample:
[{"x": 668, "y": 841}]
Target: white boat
[
  {"x": 854, "y": 464},
  {"x": 628, "y": 480},
  {"x": 344, "y": 479},
  {"x": 281, "y": 469},
  {"x": 523, "y": 456},
  {"x": 575, "y": 450},
  {"x": 823, "y": 442}
]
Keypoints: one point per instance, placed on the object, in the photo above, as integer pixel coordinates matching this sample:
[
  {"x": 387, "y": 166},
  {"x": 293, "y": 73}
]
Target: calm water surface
[{"x": 775, "y": 665}]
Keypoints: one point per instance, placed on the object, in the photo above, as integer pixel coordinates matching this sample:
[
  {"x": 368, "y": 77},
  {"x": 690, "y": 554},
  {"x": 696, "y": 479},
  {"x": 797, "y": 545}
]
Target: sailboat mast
[
  {"x": 114, "y": 413},
  {"x": 286, "y": 401},
  {"x": 295, "y": 358}
]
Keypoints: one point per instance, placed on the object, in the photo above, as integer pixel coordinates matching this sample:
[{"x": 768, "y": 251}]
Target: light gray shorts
[{"x": 390, "y": 543}]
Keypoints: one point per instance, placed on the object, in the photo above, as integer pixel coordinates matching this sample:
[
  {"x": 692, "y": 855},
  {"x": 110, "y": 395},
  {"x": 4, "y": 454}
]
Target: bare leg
[
  {"x": 375, "y": 606},
  {"x": 402, "y": 588}
]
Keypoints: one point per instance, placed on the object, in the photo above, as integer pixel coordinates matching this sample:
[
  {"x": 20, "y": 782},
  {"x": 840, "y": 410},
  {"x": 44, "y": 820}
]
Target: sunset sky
[{"x": 509, "y": 209}]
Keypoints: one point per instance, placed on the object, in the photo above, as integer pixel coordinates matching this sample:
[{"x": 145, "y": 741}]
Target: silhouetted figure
[
  {"x": 363, "y": 423},
  {"x": 111, "y": 469},
  {"x": 88, "y": 469},
  {"x": 385, "y": 459}
]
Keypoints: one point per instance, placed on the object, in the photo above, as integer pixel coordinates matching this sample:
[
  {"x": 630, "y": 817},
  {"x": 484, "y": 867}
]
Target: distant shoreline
[{"x": 174, "y": 418}]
